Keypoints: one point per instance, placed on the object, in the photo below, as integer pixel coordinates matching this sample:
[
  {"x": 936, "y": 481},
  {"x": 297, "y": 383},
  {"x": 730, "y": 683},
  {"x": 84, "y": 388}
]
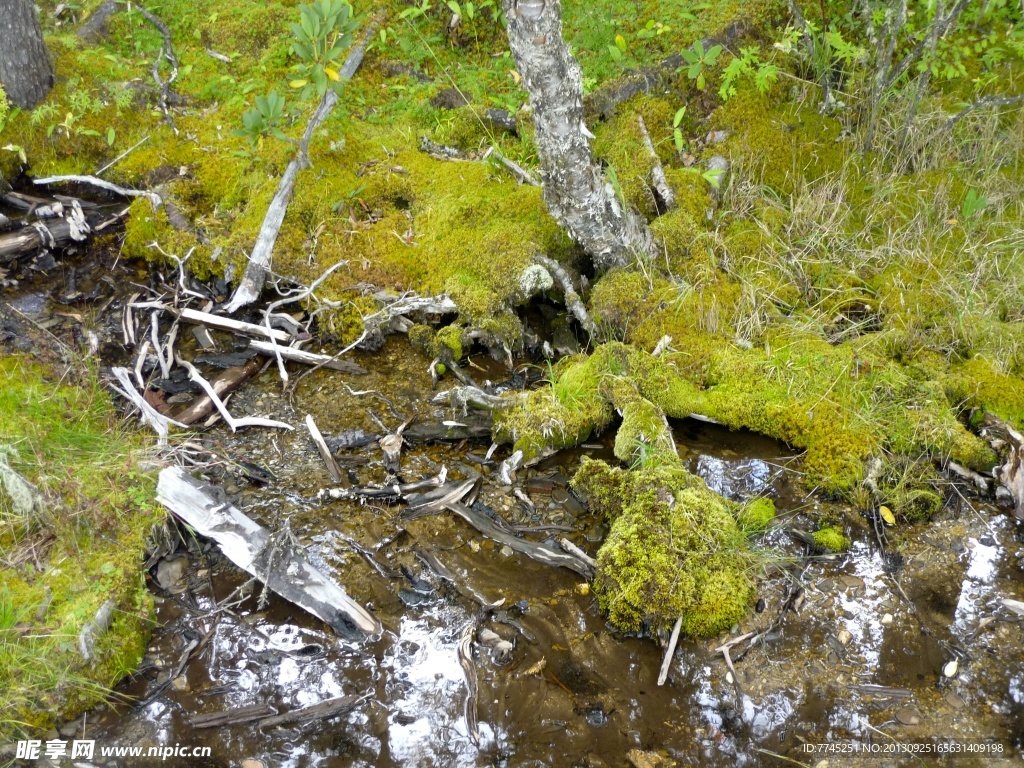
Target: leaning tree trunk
[
  {"x": 575, "y": 190},
  {"x": 26, "y": 73}
]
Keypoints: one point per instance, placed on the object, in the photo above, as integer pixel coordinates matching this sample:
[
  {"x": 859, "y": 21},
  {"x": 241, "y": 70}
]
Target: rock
[
  {"x": 95, "y": 29},
  {"x": 640, "y": 759},
  {"x": 179, "y": 683},
  {"x": 252, "y": 762},
  {"x": 170, "y": 571},
  {"x": 955, "y": 700},
  {"x": 844, "y": 637},
  {"x": 506, "y": 551},
  {"x": 499, "y": 118},
  {"x": 908, "y": 716},
  {"x": 951, "y": 668},
  {"x": 887, "y": 619},
  {"x": 716, "y": 137},
  {"x": 449, "y": 98}
]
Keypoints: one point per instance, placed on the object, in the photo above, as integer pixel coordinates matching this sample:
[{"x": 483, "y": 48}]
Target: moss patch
[
  {"x": 89, "y": 547},
  {"x": 674, "y": 549}
]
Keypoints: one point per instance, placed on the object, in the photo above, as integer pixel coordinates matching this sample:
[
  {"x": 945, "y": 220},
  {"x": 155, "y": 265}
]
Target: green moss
[
  {"x": 832, "y": 539},
  {"x": 75, "y": 447},
  {"x": 757, "y": 515},
  {"x": 644, "y": 435},
  {"x": 673, "y": 549}
]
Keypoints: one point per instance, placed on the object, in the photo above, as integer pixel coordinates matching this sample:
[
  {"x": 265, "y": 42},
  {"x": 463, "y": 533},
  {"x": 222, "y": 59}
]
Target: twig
[
  {"x": 472, "y": 685},
  {"x": 661, "y": 186},
  {"x": 154, "y": 198},
  {"x": 235, "y": 424},
  {"x": 249, "y": 287},
  {"x": 123, "y": 155},
  {"x": 515, "y": 169},
  {"x": 337, "y": 476},
  {"x": 166, "y": 52}
]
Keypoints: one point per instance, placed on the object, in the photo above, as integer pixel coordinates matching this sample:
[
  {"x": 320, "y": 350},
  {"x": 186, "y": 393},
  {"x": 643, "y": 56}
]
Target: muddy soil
[{"x": 860, "y": 664}]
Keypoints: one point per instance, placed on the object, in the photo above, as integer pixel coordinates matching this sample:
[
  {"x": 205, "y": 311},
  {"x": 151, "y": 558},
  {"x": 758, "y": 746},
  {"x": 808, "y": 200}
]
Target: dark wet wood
[
  {"x": 225, "y": 382},
  {"x": 245, "y": 714},
  {"x": 330, "y": 708}
]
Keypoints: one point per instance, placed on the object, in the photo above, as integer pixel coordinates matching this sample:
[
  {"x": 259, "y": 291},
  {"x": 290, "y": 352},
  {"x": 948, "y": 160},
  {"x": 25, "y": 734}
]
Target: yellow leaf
[
  {"x": 887, "y": 515},
  {"x": 332, "y": 73},
  {"x": 298, "y": 83}
]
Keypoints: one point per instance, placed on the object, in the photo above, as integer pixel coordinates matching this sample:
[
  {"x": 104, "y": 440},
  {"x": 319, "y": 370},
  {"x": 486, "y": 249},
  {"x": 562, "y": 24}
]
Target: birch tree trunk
[
  {"x": 26, "y": 73},
  {"x": 575, "y": 190}
]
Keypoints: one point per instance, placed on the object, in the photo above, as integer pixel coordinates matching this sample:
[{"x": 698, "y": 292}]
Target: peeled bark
[
  {"x": 575, "y": 190},
  {"x": 26, "y": 72}
]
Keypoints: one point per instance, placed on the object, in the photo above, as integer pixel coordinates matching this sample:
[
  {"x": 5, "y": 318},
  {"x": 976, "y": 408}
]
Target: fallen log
[
  {"x": 222, "y": 323},
  {"x": 51, "y": 234},
  {"x": 276, "y": 560}
]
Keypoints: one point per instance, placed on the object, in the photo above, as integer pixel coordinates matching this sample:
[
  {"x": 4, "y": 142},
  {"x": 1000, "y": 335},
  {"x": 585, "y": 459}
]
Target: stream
[{"x": 860, "y": 661}]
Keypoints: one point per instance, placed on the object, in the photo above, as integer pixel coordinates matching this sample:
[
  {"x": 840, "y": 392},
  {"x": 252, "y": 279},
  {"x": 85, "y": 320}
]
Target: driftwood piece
[
  {"x": 246, "y": 714},
  {"x": 160, "y": 423},
  {"x": 337, "y": 476},
  {"x": 277, "y": 561},
  {"x": 319, "y": 711},
  {"x": 94, "y": 629},
  {"x": 153, "y": 197},
  {"x": 307, "y": 358},
  {"x": 1011, "y": 473},
  {"x": 224, "y": 383},
  {"x": 251, "y": 284}
]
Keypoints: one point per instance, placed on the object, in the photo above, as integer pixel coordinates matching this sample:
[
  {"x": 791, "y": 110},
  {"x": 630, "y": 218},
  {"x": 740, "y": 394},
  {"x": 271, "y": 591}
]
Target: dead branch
[
  {"x": 166, "y": 52},
  {"x": 251, "y": 284},
  {"x": 521, "y": 174},
  {"x": 472, "y": 683},
  {"x": 308, "y": 358},
  {"x": 225, "y": 382},
  {"x": 154, "y": 198},
  {"x": 337, "y": 476},
  {"x": 231, "y": 421},
  {"x": 226, "y": 323},
  {"x": 160, "y": 423},
  {"x": 572, "y": 299}
]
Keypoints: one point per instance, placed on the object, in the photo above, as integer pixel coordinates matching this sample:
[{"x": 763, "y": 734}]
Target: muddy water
[{"x": 577, "y": 692}]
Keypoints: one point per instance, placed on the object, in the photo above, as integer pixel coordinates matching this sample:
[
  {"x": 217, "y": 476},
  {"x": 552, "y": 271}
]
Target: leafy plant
[
  {"x": 748, "y": 63},
  {"x": 323, "y": 33},
  {"x": 653, "y": 29},
  {"x": 265, "y": 118},
  {"x": 618, "y": 50},
  {"x": 698, "y": 60},
  {"x": 973, "y": 204},
  {"x": 677, "y": 132}
]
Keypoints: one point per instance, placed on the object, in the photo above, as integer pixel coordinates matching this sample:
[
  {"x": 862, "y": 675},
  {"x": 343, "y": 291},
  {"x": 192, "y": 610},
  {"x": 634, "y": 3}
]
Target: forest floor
[{"x": 856, "y": 305}]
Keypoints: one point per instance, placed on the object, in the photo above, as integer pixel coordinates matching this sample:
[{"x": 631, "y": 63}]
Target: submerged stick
[
  {"x": 249, "y": 287},
  {"x": 337, "y": 476},
  {"x": 472, "y": 684},
  {"x": 666, "y": 663},
  {"x": 231, "y": 421}
]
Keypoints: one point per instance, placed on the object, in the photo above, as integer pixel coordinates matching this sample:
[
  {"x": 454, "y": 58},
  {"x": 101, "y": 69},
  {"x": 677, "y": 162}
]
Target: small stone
[
  {"x": 640, "y": 759},
  {"x": 955, "y": 700},
  {"x": 987, "y": 540},
  {"x": 179, "y": 683},
  {"x": 951, "y": 668},
  {"x": 844, "y": 637},
  {"x": 506, "y": 551},
  {"x": 887, "y": 619},
  {"x": 252, "y": 762},
  {"x": 474, "y": 545},
  {"x": 908, "y": 716},
  {"x": 583, "y": 588}
]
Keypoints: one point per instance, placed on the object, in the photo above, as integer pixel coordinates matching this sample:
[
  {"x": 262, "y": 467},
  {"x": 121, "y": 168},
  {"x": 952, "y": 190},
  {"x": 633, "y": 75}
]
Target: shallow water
[{"x": 577, "y": 692}]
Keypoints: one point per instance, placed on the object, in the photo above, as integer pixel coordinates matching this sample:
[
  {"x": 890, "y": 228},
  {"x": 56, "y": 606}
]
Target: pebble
[
  {"x": 640, "y": 759},
  {"x": 506, "y": 551},
  {"x": 887, "y": 619},
  {"x": 851, "y": 582},
  {"x": 987, "y": 540},
  {"x": 845, "y": 637},
  {"x": 908, "y": 716},
  {"x": 955, "y": 700},
  {"x": 252, "y": 762},
  {"x": 951, "y": 668}
]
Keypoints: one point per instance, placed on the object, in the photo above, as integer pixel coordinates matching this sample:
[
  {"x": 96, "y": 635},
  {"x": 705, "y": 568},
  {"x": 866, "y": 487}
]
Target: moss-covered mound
[{"x": 674, "y": 549}]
